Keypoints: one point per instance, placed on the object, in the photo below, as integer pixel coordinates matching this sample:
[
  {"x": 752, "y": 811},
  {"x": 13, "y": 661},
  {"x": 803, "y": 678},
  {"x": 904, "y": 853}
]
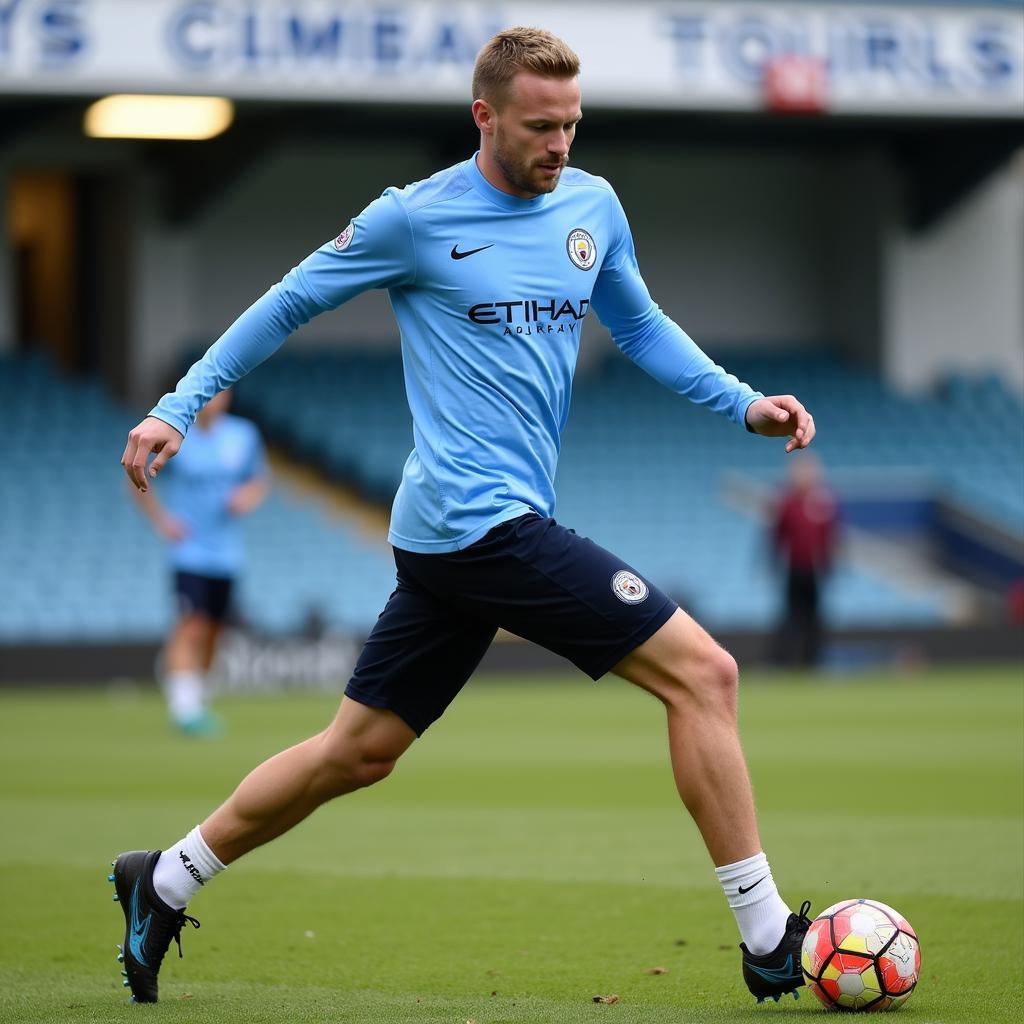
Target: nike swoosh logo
[
  {"x": 139, "y": 929},
  {"x": 776, "y": 974},
  {"x": 741, "y": 890},
  {"x": 456, "y": 255}
]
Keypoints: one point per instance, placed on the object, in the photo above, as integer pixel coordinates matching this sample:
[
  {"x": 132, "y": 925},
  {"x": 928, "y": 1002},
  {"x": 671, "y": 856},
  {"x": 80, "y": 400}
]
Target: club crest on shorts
[
  {"x": 581, "y": 249},
  {"x": 628, "y": 587},
  {"x": 342, "y": 242}
]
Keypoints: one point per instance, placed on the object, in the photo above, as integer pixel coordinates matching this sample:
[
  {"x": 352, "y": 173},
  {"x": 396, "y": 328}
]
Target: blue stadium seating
[
  {"x": 78, "y": 561},
  {"x": 347, "y": 414},
  {"x": 643, "y": 472}
]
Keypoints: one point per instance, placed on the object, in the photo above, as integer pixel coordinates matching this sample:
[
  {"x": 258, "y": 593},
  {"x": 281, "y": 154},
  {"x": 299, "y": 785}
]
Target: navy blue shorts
[
  {"x": 202, "y": 595},
  {"x": 530, "y": 576}
]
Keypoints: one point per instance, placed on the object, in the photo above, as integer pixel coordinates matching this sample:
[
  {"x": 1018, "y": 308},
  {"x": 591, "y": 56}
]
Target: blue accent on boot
[{"x": 139, "y": 927}]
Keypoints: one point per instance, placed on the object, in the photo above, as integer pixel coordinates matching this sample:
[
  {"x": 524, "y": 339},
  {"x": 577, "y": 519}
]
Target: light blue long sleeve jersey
[
  {"x": 196, "y": 487},
  {"x": 490, "y": 292}
]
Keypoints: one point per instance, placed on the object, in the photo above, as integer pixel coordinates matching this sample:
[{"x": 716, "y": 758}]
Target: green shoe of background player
[{"x": 206, "y": 725}]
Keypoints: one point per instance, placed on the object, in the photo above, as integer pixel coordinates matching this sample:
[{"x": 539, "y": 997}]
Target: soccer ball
[{"x": 861, "y": 955}]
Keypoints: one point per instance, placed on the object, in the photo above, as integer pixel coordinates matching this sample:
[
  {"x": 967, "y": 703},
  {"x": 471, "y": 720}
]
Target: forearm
[
  {"x": 664, "y": 350},
  {"x": 250, "y": 495},
  {"x": 150, "y": 507},
  {"x": 251, "y": 339}
]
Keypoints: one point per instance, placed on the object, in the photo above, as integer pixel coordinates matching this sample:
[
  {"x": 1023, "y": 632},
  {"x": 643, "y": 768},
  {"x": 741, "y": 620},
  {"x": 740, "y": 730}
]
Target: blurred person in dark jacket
[{"x": 805, "y": 529}]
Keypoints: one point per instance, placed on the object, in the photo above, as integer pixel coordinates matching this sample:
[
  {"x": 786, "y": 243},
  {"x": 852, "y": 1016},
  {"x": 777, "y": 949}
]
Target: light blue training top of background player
[
  {"x": 490, "y": 292},
  {"x": 195, "y": 488}
]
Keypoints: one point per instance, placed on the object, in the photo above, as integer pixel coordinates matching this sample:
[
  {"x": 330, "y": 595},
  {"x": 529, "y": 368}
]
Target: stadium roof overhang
[
  {"x": 940, "y": 159},
  {"x": 940, "y": 86}
]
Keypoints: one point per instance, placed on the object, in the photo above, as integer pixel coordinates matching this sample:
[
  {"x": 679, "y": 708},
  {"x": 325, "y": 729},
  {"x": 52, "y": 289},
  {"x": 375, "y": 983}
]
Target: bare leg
[
  {"x": 360, "y": 747},
  {"x": 696, "y": 680},
  {"x": 185, "y": 657},
  {"x": 186, "y": 646},
  {"x": 209, "y": 644}
]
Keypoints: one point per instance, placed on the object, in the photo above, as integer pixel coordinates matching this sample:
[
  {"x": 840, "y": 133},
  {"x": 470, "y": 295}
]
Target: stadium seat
[{"x": 645, "y": 474}]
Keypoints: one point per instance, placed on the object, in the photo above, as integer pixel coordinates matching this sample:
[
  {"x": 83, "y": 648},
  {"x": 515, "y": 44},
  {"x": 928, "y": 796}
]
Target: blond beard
[{"x": 517, "y": 173}]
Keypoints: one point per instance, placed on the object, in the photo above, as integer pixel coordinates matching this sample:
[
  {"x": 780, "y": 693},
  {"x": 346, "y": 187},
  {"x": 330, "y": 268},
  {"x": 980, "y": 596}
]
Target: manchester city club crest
[
  {"x": 628, "y": 587},
  {"x": 581, "y": 248},
  {"x": 343, "y": 240}
]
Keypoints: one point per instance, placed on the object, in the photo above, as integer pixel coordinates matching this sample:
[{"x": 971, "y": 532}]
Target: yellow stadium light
[{"x": 158, "y": 117}]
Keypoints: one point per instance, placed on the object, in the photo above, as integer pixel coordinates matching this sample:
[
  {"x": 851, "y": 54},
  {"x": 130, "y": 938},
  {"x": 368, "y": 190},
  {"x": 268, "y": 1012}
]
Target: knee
[
  {"x": 721, "y": 678},
  {"x": 192, "y": 629},
  {"x": 352, "y": 763},
  {"x": 367, "y": 770},
  {"x": 711, "y": 679}
]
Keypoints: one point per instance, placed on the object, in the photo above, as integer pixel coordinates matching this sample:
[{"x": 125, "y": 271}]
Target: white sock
[
  {"x": 760, "y": 913},
  {"x": 183, "y": 869},
  {"x": 184, "y": 692}
]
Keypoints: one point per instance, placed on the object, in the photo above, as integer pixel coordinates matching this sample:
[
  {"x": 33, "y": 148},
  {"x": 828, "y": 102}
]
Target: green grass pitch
[{"x": 528, "y": 854}]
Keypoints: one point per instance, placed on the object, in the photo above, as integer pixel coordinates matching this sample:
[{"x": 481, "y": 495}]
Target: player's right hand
[{"x": 149, "y": 437}]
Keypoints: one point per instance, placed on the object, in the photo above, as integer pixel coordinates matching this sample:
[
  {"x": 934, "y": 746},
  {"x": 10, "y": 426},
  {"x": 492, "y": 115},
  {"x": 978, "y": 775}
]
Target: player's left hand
[{"x": 781, "y": 416}]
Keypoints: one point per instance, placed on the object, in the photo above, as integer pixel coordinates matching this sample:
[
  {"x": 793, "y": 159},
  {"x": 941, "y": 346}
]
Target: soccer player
[
  {"x": 218, "y": 477},
  {"x": 491, "y": 266}
]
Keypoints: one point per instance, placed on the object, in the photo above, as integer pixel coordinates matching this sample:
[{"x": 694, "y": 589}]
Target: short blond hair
[{"x": 520, "y": 49}]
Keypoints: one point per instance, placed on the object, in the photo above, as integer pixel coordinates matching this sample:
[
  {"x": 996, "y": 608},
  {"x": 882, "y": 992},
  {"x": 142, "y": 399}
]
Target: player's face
[{"x": 534, "y": 130}]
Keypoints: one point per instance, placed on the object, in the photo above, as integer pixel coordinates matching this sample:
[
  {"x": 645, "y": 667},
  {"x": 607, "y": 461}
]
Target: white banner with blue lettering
[{"x": 876, "y": 59}]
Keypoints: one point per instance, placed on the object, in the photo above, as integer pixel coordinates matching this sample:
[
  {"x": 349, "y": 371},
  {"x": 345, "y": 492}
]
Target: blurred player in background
[
  {"x": 218, "y": 477},
  {"x": 804, "y": 535},
  {"x": 491, "y": 266}
]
